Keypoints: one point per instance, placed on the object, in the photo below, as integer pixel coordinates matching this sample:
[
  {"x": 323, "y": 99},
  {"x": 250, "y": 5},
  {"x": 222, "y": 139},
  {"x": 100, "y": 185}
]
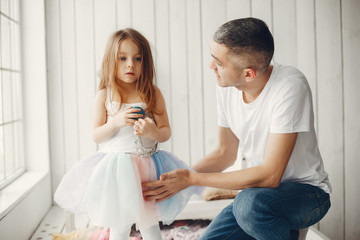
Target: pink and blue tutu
[{"x": 108, "y": 187}]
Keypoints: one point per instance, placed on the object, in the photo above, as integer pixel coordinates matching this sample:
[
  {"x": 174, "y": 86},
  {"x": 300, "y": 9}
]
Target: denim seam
[
  {"x": 295, "y": 197},
  {"x": 307, "y": 220},
  {"x": 232, "y": 233},
  {"x": 313, "y": 194}
]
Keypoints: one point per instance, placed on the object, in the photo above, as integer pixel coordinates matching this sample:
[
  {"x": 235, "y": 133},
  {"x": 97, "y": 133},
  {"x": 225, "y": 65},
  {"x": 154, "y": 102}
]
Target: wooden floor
[{"x": 54, "y": 222}]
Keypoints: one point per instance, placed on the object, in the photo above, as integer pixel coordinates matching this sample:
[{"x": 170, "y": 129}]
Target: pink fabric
[
  {"x": 100, "y": 234},
  {"x": 145, "y": 170}
]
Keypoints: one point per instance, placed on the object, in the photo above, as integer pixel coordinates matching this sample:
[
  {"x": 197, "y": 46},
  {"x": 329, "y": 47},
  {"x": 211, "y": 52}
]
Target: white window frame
[
  {"x": 12, "y": 163},
  {"x": 26, "y": 200}
]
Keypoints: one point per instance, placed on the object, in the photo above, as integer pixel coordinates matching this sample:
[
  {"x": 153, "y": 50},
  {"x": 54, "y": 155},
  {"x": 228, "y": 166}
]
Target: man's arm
[
  {"x": 268, "y": 174},
  {"x": 223, "y": 156}
]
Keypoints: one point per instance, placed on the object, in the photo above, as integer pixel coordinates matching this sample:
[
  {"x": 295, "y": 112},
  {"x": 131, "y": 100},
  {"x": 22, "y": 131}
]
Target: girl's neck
[
  {"x": 127, "y": 86},
  {"x": 128, "y": 94}
]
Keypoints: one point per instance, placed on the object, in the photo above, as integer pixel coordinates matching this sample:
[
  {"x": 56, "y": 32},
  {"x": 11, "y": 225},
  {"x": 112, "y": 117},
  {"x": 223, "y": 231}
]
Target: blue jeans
[{"x": 270, "y": 213}]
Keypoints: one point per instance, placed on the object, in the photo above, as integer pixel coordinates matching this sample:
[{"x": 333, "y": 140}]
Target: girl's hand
[
  {"x": 125, "y": 117},
  {"x": 145, "y": 127}
]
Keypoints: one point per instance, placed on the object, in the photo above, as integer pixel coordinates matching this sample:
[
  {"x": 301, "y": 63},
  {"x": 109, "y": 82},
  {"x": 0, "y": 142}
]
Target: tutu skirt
[{"x": 108, "y": 187}]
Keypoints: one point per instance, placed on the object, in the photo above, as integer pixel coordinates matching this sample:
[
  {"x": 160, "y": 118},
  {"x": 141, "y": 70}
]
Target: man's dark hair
[{"x": 249, "y": 38}]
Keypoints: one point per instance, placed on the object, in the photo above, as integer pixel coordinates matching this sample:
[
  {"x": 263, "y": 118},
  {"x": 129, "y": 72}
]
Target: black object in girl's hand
[{"x": 140, "y": 112}]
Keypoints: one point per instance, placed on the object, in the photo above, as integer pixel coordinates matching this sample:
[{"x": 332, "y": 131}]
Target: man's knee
[{"x": 249, "y": 203}]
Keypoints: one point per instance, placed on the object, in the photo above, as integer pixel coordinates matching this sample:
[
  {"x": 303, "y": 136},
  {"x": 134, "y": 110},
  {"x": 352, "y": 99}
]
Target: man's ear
[{"x": 250, "y": 74}]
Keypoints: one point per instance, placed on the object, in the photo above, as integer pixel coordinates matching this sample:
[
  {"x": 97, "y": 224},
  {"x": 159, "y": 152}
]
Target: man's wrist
[{"x": 193, "y": 179}]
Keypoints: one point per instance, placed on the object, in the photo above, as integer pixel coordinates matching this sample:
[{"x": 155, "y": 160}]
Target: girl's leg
[
  {"x": 117, "y": 234},
  {"x": 151, "y": 233},
  {"x": 278, "y": 213}
]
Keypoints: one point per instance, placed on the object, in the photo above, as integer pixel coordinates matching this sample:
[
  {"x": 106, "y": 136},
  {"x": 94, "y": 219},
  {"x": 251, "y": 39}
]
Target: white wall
[{"x": 320, "y": 37}]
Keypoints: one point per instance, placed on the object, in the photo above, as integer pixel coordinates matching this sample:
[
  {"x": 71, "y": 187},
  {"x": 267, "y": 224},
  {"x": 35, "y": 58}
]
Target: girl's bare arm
[{"x": 160, "y": 131}]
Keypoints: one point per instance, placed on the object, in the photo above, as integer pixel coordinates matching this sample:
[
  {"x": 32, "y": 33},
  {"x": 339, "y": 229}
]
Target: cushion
[{"x": 210, "y": 193}]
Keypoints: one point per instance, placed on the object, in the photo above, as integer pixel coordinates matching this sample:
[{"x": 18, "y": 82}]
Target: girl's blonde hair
[{"x": 145, "y": 85}]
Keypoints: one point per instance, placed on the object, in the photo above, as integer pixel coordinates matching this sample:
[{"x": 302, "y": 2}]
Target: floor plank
[{"x": 52, "y": 223}]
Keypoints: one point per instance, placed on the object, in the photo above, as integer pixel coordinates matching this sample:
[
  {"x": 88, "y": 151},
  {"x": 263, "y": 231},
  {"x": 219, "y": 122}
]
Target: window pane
[
  {"x": 7, "y": 97},
  {"x": 14, "y": 10},
  {"x": 9, "y": 149},
  {"x": 18, "y": 145},
  {"x": 4, "y": 6},
  {"x": 15, "y": 46},
  {"x": 1, "y": 99},
  {"x": 16, "y": 96},
  {"x": 5, "y": 42},
  {"x": 2, "y": 155}
]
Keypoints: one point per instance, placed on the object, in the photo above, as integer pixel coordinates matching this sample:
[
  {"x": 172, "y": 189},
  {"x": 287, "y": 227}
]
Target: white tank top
[{"x": 124, "y": 140}]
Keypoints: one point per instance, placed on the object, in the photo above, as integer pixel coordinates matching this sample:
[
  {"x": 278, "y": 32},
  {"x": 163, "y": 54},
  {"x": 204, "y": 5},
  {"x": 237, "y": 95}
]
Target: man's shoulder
[
  {"x": 286, "y": 72},
  {"x": 289, "y": 81},
  {"x": 289, "y": 76}
]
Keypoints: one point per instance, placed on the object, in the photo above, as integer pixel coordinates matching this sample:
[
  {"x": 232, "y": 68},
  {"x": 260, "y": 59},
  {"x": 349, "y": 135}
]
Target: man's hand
[{"x": 169, "y": 184}]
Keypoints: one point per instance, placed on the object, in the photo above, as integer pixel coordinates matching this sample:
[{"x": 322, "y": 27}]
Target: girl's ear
[{"x": 250, "y": 74}]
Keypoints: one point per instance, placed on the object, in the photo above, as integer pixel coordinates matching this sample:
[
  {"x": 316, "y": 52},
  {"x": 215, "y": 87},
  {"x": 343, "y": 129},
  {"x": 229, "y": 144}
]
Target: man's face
[{"x": 227, "y": 74}]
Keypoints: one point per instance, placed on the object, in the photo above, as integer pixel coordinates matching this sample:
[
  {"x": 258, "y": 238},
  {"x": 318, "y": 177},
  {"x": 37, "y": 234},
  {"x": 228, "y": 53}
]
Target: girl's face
[{"x": 128, "y": 62}]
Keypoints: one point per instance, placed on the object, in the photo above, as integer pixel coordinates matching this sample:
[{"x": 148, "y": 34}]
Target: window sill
[{"x": 15, "y": 192}]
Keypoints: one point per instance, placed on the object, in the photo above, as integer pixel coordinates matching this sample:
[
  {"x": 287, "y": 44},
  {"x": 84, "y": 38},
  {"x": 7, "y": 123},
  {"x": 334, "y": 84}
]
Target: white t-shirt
[{"x": 283, "y": 106}]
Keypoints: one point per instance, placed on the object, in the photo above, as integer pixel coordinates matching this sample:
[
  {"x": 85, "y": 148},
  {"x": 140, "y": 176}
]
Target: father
[{"x": 266, "y": 108}]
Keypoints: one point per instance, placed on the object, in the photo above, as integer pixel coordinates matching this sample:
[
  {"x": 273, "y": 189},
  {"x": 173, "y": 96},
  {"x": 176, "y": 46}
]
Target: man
[{"x": 266, "y": 108}]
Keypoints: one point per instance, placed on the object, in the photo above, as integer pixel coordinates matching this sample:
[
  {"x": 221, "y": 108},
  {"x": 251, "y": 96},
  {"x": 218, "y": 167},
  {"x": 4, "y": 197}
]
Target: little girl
[{"x": 108, "y": 184}]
